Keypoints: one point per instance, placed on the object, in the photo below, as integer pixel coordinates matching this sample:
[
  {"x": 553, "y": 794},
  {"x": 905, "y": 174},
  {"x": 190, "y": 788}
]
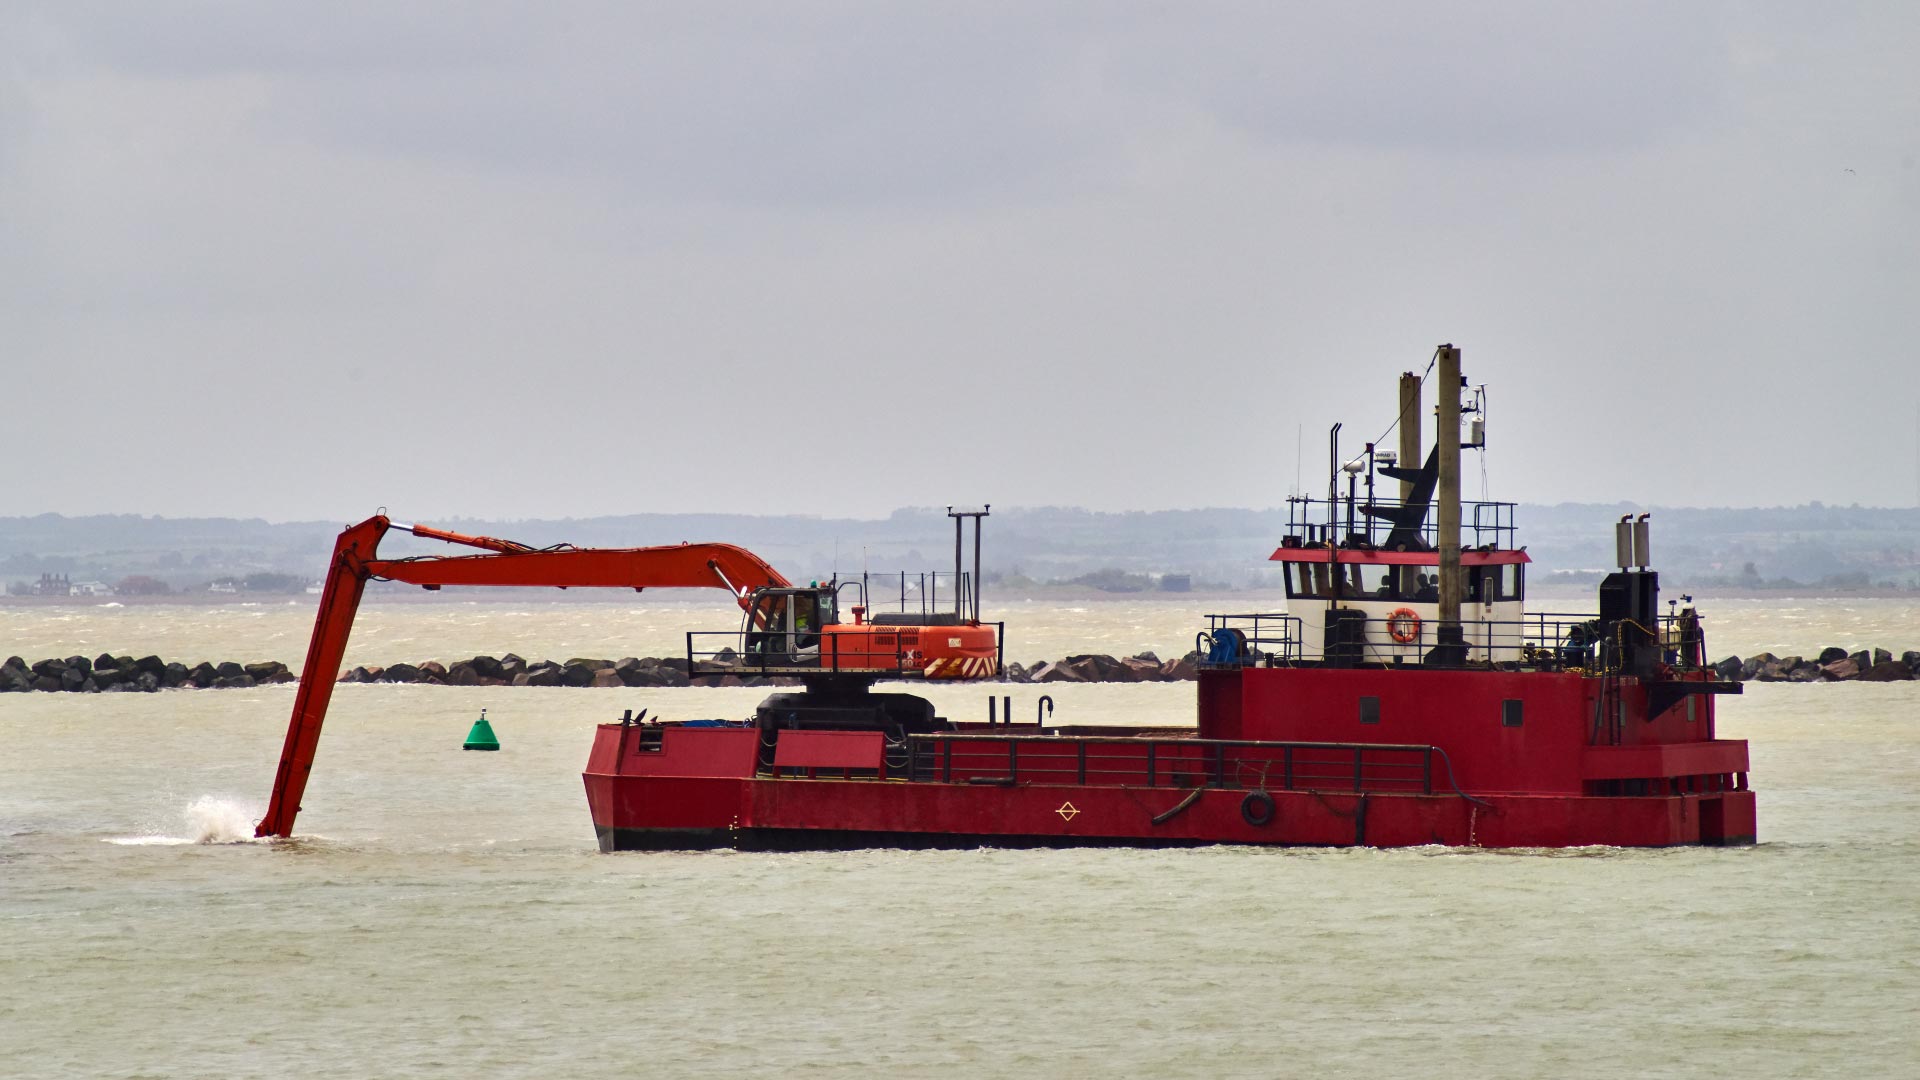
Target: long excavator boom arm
[
  {"x": 685, "y": 566},
  {"x": 677, "y": 566}
]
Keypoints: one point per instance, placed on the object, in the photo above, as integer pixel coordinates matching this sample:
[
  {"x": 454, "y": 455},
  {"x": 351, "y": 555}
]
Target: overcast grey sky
[{"x": 298, "y": 261}]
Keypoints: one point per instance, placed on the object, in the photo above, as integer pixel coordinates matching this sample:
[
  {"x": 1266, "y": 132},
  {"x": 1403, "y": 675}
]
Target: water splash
[
  {"x": 215, "y": 820},
  {"x": 209, "y": 819}
]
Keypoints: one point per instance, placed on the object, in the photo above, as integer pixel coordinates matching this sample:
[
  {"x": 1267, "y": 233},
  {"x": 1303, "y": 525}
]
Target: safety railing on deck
[
  {"x": 852, "y": 649},
  {"x": 1240, "y": 640},
  {"x": 919, "y": 598},
  {"x": 734, "y": 652},
  {"x": 1177, "y": 763},
  {"x": 1556, "y": 639},
  {"x": 1312, "y": 521},
  {"x": 1580, "y": 639}
]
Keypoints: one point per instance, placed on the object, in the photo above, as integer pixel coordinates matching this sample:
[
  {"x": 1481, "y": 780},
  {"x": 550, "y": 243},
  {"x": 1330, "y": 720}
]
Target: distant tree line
[
  {"x": 1814, "y": 544},
  {"x": 148, "y": 585}
]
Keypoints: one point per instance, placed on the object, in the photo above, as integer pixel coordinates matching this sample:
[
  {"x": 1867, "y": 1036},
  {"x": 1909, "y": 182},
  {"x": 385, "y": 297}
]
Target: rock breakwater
[
  {"x": 1831, "y": 665},
  {"x": 77, "y": 674},
  {"x": 511, "y": 670},
  {"x": 107, "y": 673},
  {"x": 122, "y": 674},
  {"x": 1098, "y": 667}
]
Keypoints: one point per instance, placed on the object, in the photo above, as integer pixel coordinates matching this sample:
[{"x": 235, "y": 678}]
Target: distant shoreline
[
  {"x": 991, "y": 601},
  {"x": 1040, "y": 593}
]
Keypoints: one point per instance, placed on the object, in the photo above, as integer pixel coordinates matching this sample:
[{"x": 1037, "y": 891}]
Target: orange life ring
[{"x": 1403, "y": 625}]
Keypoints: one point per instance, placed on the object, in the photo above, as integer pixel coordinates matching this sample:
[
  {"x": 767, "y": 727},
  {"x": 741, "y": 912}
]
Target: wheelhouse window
[
  {"x": 1400, "y": 583},
  {"x": 1486, "y": 584},
  {"x": 1362, "y": 581},
  {"x": 1306, "y": 581}
]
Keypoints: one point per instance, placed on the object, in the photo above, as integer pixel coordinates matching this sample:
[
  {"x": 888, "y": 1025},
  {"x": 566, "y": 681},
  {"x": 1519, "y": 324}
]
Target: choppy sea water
[
  {"x": 447, "y": 914},
  {"x": 387, "y": 633}
]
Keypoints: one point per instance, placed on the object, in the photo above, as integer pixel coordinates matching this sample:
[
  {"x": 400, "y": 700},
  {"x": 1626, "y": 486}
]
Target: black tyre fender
[{"x": 1256, "y": 809}]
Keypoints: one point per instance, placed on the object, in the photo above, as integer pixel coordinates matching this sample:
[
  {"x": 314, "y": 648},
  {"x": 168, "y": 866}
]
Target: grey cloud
[
  {"x": 1119, "y": 256},
  {"x": 759, "y": 105},
  {"x": 1511, "y": 78},
  {"x": 865, "y": 107}
]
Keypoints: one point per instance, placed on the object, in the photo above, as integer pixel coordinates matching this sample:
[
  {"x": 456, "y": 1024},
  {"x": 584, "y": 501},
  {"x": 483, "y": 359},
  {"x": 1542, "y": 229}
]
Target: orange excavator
[{"x": 786, "y": 630}]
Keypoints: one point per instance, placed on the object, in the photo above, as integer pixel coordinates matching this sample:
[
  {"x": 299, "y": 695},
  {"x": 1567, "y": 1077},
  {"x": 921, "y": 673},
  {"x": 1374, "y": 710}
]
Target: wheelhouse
[{"x": 1372, "y": 606}]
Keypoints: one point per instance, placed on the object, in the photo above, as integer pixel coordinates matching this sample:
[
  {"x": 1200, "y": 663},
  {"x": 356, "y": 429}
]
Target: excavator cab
[{"x": 781, "y": 626}]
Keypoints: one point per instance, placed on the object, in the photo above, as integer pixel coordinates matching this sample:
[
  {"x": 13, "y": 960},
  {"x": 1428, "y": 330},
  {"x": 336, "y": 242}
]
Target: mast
[
  {"x": 1451, "y": 648},
  {"x": 959, "y": 568},
  {"x": 1412, "y": 454},
  {"x": 1410, "y": 445},
  {"x": 966, "y": 591}
]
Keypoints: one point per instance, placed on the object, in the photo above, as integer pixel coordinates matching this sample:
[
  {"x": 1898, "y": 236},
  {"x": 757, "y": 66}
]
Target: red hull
[
  {"x": 634, "y": 813},
  {"x": 1466, "y": 767}
]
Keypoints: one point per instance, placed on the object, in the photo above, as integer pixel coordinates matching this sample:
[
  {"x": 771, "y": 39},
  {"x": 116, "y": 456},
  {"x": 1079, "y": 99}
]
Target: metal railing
[
  {"x": 1317, "y": 521},
  {"x": 853, "y": 649},
  {"x": 925, "y": 595},
  {"x": 1240, "y": 640},
  {"x": 1122, "y": 761},
  {"x": 759, "y": 652},
  {"x": 1536, "y": 639}
]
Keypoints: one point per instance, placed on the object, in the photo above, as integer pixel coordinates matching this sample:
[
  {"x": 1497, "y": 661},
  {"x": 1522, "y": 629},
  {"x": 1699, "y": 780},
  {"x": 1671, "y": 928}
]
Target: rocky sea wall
[
  {"x": 123, "y": 674},
  {"x": 1831, "y": 665}
]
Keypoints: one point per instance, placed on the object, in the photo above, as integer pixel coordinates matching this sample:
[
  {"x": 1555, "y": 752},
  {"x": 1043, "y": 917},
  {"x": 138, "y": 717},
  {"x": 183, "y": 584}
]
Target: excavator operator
[{"x": 806, "y": 623}]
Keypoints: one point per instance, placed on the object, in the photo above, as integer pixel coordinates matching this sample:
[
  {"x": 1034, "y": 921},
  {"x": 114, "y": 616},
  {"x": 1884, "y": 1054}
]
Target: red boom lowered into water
[{"x": 506, "y": 563}]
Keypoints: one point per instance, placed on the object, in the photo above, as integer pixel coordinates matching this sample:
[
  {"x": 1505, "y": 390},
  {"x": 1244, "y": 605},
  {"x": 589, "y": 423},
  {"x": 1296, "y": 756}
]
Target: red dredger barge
[{"x": 1405, "y": 698}]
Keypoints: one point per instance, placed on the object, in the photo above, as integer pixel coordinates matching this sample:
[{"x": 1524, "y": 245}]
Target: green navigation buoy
[{"x": 480, "y": 736}]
